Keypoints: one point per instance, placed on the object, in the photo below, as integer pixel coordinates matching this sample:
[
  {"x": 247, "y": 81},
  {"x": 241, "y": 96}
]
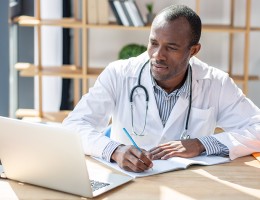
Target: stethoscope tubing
[{"x": 139, "y": 85}]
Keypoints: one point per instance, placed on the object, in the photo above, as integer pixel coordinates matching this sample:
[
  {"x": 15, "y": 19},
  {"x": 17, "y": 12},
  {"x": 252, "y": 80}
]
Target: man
[{"x": 186, "y": 98}]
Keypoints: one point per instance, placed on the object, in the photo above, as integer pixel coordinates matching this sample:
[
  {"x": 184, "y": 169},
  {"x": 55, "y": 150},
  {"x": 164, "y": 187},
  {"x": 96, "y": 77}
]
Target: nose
[{"x": 159, "y": 53}]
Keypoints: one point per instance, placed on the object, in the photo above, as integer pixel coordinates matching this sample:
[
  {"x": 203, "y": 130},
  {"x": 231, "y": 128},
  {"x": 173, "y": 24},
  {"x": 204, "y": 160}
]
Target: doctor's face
[{"x": 170, "y": 51}]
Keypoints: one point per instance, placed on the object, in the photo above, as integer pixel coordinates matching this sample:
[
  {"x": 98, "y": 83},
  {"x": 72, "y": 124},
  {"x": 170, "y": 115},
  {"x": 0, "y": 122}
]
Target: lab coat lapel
[
  {"x": 152, "y": 107},
  {"x": 178, "y": 109},
  {"x": 181, "y": 106},
  {"x": 195, "y": 86}
]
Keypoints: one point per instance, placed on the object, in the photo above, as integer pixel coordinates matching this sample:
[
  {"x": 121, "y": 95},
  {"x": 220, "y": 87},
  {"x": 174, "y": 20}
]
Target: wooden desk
[{"x": 239, "y": 179}]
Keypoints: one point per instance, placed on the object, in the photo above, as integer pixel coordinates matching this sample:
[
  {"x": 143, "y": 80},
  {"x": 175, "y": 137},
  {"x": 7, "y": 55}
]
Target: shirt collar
[{"x": 185, "y": 88}]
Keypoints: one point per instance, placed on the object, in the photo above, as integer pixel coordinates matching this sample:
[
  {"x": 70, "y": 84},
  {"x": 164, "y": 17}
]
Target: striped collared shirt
[{"x": 165, "y": 102}]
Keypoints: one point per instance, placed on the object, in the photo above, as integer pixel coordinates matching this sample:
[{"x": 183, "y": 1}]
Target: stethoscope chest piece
[{"x": 184, "y": 135}]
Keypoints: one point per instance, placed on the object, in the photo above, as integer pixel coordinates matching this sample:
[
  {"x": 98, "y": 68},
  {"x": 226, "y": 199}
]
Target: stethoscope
[{"x": 184, "y": 134}]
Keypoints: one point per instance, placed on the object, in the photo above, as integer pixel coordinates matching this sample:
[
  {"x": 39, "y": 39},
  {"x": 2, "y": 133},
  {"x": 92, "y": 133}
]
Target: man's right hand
[{"x": 131, "y": 159}]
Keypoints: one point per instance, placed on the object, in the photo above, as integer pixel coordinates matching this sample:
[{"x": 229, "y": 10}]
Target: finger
[
  {"x": 146, "y": 159},
  {"x": 139, "y": 164},
  {"x": 156, "y": 150},
  {"x": 170, "y": 155},
  {"x": 161, "y": 154},
  {"x": 156, "y": 154},
  {"x": 178, "y": 153},
  {"x": 140, "y": 159},
  {"x": 160, "y": 146},
  {"x": 165, "y": 146},
  {"x": 129, "y": 166},
  {"x": 159, "y": 150},
  {"x": 148, "y": 155},
  {"x": 130, "y": 163}
]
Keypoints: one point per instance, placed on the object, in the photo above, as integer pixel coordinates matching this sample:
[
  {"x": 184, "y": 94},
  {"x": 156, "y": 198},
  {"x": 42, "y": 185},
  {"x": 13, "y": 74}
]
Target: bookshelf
[{"x": 80, "y": 71}]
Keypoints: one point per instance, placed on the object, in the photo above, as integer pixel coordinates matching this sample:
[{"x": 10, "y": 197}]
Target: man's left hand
[{"x": 183, "y": 148}]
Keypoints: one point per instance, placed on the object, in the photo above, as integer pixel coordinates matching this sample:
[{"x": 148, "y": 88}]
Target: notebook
[
  {"x": 52, "y": 157},
  {"x": 172, "y": 164}
]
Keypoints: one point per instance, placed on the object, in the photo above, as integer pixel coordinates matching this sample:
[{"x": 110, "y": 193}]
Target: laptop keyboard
[{"x": 95, "y": 185}]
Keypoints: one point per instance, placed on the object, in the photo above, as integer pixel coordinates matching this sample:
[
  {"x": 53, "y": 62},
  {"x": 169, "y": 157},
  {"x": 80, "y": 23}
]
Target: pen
[
  {"x": 133, "y": 142},
  {"x": 131, "y": 139}
]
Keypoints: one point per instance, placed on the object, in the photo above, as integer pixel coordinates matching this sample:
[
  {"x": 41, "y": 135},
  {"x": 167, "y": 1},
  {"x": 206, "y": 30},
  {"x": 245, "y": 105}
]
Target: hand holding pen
[
  {"x": 133, "y": 142},
  {"x": 132, "y": 158}
]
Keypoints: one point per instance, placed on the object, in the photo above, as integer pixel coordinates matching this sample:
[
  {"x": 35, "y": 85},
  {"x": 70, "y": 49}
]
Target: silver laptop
[{"x": 52, "y": 157}]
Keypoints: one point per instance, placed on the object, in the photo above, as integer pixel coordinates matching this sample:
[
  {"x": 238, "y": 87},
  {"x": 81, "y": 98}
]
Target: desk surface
[{"x": 239, "y": 179}]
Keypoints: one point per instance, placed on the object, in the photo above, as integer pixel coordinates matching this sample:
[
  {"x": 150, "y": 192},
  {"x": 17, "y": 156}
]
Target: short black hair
[{"x": 176, "y": 11}]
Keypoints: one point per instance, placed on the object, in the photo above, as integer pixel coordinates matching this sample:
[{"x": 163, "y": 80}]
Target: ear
[{"x": 194, "y": 49}]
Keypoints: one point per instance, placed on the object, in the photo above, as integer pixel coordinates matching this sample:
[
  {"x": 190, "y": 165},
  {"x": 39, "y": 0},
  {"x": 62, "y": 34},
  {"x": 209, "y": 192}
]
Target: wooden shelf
[
  {"x": 70, "y": 23},
  {"x": 26, "y": 20},
  {"x": 119, "y": 27},
  {"x": 33, "y": 21},
  {"x": 223, "y": 28},
  {"x": 73, "y": 23},
  {"x": 71, "y": 71},
  {"x": 93, "y": 72},
  {"x": 64, "y": 71},
  {"x": 241, "y": 78},
  {"x": 255, "y": 28},
  {"x": 33, "y": 115}
]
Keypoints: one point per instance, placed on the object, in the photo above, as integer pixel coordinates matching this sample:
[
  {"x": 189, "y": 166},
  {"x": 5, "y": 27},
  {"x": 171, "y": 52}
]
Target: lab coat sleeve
[
  {"x": 92, "y": 114},
  {"x": 240, "y": 120}
]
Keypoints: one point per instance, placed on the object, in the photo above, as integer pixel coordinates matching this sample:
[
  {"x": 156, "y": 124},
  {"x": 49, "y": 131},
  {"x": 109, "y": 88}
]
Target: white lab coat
[{"x": 216, "y": 102}]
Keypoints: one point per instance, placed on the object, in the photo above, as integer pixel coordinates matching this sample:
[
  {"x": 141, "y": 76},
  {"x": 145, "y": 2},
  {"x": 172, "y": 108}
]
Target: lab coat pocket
[{"x": 202, "y": 122}]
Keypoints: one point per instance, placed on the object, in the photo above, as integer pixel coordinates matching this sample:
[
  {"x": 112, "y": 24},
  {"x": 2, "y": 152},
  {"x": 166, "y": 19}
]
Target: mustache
[{"x": 159, "y": 62}]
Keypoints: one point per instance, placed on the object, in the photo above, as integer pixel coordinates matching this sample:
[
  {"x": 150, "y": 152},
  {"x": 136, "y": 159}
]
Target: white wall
[{"x": 105, "y": 44}]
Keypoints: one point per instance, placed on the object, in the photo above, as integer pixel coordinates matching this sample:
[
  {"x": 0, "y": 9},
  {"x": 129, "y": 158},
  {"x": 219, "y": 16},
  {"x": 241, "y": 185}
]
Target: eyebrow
[
  {"x": 171, "y": 43},
  {"x": 174, "y": 44}
]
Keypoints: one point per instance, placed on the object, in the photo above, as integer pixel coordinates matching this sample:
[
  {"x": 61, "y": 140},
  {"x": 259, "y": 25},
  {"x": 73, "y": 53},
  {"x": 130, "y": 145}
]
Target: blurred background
[{"x": 230, "y": 41}]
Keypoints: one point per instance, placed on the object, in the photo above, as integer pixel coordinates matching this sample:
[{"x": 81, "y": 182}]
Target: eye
[
  {"x": 153, "y": 42},
  {"x": 172, "y": 48}
]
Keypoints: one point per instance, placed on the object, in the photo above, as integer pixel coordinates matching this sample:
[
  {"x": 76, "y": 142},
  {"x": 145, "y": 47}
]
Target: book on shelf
[
  {"x": 98, "y": 11},
  {"x": 121, "y": 12},
  {"x": 92, "y": 12},
  {"x": 113, "y": 8},
  {"x": 103, "y": 11},
  {"x": 172, "y": 164},
  {"x": 134, "y": 12},
  {"x": 122, "y": 2},
  {"x": 126, "y": 12}
]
